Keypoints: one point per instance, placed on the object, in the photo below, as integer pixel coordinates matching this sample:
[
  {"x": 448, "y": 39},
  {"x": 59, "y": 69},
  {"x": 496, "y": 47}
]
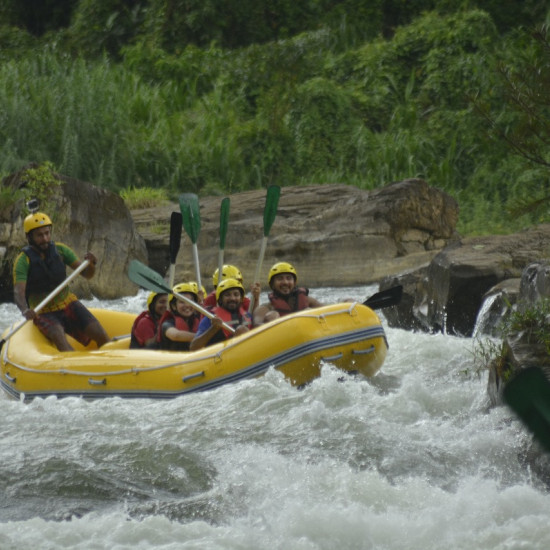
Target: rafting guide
[{"x": 40, "y": 271}]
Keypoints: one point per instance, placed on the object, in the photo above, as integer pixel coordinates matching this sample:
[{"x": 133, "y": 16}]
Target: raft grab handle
[
  {"x": 363, "y": 351},
  {"x": 10, "y": 378},
  {"x": 102, "y": 382},
  {"x": 333, "y": 357},
  {"x": 191, "y": 376}
]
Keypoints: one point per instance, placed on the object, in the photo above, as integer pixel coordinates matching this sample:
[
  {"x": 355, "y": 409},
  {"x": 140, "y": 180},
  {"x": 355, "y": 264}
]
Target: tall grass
[{"x": 291, "y": 113}]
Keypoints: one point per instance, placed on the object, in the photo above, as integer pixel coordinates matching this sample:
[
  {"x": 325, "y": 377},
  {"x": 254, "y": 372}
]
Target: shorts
[{"x": 74, "y": 319}]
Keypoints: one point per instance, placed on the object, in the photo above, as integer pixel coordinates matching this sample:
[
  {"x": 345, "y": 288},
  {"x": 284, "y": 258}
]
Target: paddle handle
[
  {"x": 197, "y": 267},
  {"x": 171, "y": 275},
  {"x": 257, "y": 272},
  {"x": 220, "y": 265},
  {"x": 47, "y": 299},
  {"x": 202, "y": 310}
]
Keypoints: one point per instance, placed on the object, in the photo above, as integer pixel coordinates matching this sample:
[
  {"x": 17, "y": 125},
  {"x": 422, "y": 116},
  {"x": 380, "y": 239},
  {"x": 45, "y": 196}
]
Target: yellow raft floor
[{"x": 348, "y": 335}]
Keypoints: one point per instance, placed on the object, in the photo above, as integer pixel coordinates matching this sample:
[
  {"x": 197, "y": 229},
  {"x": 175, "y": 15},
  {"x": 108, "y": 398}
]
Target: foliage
[
  {"x": 143, "y": 197},
  {"x": 41, "y": 183},
  {"x": 100, "y": 26},
  {"x": 36, "y": 17},
  {"x": 173, "y": 96},
  {"x": 531, "y": 322}
]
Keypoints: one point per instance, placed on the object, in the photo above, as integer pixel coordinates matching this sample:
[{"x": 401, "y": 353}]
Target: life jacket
[
  {"x": 134, "y": 342},
  {"x": 46, "y": 273},
  {"x": 242, "y": 317},
  {"x": 181, "y": 324},
  {"x": 283, "y": 307}
]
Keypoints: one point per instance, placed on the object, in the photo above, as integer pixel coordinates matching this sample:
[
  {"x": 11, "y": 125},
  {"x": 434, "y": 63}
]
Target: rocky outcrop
[
  {"x": 448, "y": 293},
  {"x": 522, "y": 345},
  {"x": 86, "y": 218},
  {"x": 334, "y": 234}
]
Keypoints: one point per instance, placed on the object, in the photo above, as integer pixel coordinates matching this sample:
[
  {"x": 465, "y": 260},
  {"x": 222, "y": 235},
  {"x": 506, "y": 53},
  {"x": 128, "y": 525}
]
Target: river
[{"x": 411, "y": 459}]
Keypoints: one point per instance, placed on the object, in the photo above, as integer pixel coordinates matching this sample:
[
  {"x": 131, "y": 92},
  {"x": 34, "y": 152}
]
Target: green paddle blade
[
  {"x": 175, "y": 235},
  {"x": 224, "y": 221},
  {"x": 190, "y": 212},
  {"x": 270, "y": 208},
  {"x": 146, "y": 278},
  {"x": 385, "y": 298},
  {"x": 528, "y": 394}
]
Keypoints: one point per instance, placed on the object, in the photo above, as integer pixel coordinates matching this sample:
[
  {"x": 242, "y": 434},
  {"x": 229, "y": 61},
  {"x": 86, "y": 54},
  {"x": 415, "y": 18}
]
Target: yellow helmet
[
  {"x": 151, "y": 298},
  {"x": 182, "y": 288},
  {"x": 196, "y": 287},
  {"x": 228, "y": 271},
  {"x": 226, "y": 284},
  {"x": 33, "y": 221},
  {"x": 281, "y": 267}
]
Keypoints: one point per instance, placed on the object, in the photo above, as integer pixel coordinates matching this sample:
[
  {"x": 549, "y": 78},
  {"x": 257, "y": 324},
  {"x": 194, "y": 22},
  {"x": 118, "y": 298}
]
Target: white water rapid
[{"x": 412, "y": 459}]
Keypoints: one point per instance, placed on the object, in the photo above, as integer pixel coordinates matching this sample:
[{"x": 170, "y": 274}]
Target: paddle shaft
[
  {"x": 47, "y": 299},
  {"x": 197, "y": 267},
  {"x": 190, "y": 212},
  {"x": 224, "y": 222},
  {"x": 205, "y": 312},
  {"x": 175, "y": 240},
  {"x": 145, "y": 277},
  {"x": 270, "y": 211},
  {"x": 257, "y": 272}
]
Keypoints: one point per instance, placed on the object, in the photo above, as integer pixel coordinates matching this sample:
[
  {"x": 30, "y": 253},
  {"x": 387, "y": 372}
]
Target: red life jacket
[
  {"x": 226, "y": 316},
  {"x": 134, "y": 342},
  {"x": 179, "y": 323},
  {"x": 283, "y": 307}
]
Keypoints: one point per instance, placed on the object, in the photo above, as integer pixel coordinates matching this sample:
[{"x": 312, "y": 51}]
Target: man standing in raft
[
  {"x": 229, "y": 294},
  {"x": 39, "y": 269},
  {"x": 285, "y": 297}
]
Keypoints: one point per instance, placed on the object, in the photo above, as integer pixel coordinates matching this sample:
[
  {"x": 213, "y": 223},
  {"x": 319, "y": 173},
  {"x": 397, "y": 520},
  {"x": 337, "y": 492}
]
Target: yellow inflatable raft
[{"x": 348, "y": 335}]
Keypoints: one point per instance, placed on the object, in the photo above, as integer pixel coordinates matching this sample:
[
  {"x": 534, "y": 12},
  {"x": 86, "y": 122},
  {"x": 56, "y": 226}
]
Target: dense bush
[{"x": 346, "y": 102}]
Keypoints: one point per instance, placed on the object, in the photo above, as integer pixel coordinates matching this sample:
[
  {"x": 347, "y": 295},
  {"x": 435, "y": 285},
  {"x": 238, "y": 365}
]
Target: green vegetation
[
  {"x": 211, "y": 98},
  {"x": 38, "y": 182},
  {"x": 530, "y": 324},
  {"x": 144, "y": 197}
]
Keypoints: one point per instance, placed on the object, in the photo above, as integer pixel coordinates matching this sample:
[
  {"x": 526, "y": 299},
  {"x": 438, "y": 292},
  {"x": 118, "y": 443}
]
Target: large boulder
[
  {"x": 334, "y": 234},
  {"x": 448, "y": 295},
  {"x": 86, "y": 218}
]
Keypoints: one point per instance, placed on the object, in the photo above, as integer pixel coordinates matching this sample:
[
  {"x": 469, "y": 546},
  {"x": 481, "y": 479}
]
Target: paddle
[
  {"x": 46, "y": 300},
  {"x": 147, "y": 278},
  {"x": 191, "y": 218},
  {"x": 175, "y": 241},
  {"x": 224, "y": 222},
  {"x": 385, "y": 298},
  {"x": 528, "y": 394},
  {"x": 270, "y": 211}
]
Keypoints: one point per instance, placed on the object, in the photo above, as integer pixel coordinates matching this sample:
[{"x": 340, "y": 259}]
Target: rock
[
  {"x": 334, "y": 234},
  {"x": 450, "y": 295},
  {"x": 523, "y": 347},
  {"x": 496, "y": 306},
  {"x": 86, "y": 218}
]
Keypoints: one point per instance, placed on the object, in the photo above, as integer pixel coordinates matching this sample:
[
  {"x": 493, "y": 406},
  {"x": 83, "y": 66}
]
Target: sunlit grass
[{"x": 144, "y": 197}]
